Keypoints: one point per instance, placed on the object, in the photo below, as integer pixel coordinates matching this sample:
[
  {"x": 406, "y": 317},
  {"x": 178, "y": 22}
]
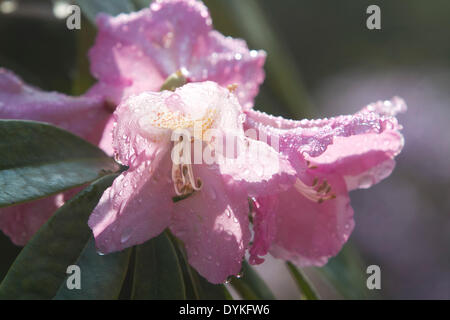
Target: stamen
[
  {"x": 317, "y": 194},
  {"x": 308, "y": 164},
  {"x": 232, "y": 87},
  {"x": 182, "y": 173}
]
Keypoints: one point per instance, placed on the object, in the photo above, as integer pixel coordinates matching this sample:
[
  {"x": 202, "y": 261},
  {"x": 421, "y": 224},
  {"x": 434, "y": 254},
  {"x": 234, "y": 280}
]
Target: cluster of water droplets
[{"x": 231, "y": 278}]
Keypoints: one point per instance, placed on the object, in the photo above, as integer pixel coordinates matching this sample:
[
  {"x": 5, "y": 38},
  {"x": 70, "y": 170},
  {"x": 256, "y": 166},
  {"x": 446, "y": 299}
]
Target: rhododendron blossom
[
  {"x": 84, "y": 116},
  {"x": 212, "y": 214},
  {"x": 133, "y": 53},
  {"x": 299, "y": 189},
  {"x": 201, "y": 161},
  {"x": 309, "y": 222},
  {"x": 137, "y": 52}
]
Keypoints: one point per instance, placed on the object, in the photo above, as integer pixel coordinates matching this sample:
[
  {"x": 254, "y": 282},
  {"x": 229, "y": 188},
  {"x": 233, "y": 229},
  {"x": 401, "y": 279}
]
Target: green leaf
[
  {"x": 112, "y": 7},
  {"x": 175, "y": 80},
  {"x": 157, "y": 273},
  {"x": 307, "y": 289},
  {"x": 38, "y": 160},
  {"x": 40, "y": 268},
  {"x": 101, "y": 276},
  {"x": 346, "y": 272},
  {"x": 140, "y": 4},
  {"x": 251, "y": 286}
]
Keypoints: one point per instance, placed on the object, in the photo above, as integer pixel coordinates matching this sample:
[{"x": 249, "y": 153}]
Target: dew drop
[
  {"x": 126, "y": 235},
  {"x": 228, "y": 280},
  {"x": 365, "y": 182},
  {"x": 155, "y": 6}
]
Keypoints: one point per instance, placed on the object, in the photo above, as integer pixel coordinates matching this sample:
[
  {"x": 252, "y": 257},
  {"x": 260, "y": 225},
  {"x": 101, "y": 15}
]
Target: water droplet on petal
[{"x": 126, "y": 235}]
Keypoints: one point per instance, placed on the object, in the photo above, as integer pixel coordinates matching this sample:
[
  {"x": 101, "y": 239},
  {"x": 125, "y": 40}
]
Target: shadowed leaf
[
  {"x": 38, "y": 160},
  {"x": 40, "y": 268}
]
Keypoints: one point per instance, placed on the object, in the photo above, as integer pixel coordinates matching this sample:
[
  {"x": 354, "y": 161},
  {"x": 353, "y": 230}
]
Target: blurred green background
[{"x": 322, "y": 61}]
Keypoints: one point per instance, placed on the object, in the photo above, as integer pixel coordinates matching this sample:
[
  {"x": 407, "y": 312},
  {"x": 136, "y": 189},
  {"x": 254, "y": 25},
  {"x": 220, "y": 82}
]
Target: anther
[
  {"x": 317, "y": 194},
  {"x": 232, "y": 87}
]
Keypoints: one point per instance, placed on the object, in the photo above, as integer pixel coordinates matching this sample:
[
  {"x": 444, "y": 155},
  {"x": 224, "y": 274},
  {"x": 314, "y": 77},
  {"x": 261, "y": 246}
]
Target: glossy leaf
[
  {"x": 38, "y": 160},
  {"x": 101, "y": 275},
  {"x": 140, "y": 4},
  {"x": 307, "y": 289},
  {"x": 40, "y": 268},
  {"x": 251, "y": 286},
  {"x": 346, "y": 273},
  {"x": 158, "y": 273},
  {"x": 112, "y": 7}
]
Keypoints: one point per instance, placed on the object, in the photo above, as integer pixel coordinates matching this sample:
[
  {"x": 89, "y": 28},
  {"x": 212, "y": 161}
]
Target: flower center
[{"x": 183, "y": 178}]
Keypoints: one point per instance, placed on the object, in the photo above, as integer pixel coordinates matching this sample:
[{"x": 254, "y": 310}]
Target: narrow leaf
[
  {"x": 158, "y": 273},
  {"x": 140, "y": 4},
  {"x": 303, "y": 283},
  {"x": 112, "y": 7},
  {"x": 39, "y": 160},
  {"x": 346, "y": 273},
  {"x": 251, "y": 286},
  {"x": 40, "y": 268},
  {"x": 101, "y": 276}
]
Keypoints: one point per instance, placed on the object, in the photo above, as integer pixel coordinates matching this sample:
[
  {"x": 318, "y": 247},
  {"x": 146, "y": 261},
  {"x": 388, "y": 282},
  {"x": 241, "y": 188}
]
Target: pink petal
[
  {"x": 213, "y": 224},
  {"x": 362, "y": 160},
  {"x": 136, "y": 52},
  {"x": 264, "y": 227},
  {"x": 348, "y": 152},
  {"x": 257, "y": 169},
  {"x": 20, "y": 222},
  {"x": 312, "y": 137},
  {"x": 137, "y": 207},
  {"x": 84, "y": 116},
  {"x": 227, "y": 62},
  {"x": 106, "y": 141},
  {"x": 309, "y": 233}
]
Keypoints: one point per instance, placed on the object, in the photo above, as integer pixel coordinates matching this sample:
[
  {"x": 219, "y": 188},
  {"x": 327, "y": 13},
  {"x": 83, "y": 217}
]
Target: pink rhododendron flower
[
  {"x": 301, "y": 208},
  {"x": 133, "y": 53},
  {"x": 84, "y": 116},
  {"x": 136, "y": 52},
  {"x": 212, "y": 217},
  {"x": 310, "y": 222}
]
